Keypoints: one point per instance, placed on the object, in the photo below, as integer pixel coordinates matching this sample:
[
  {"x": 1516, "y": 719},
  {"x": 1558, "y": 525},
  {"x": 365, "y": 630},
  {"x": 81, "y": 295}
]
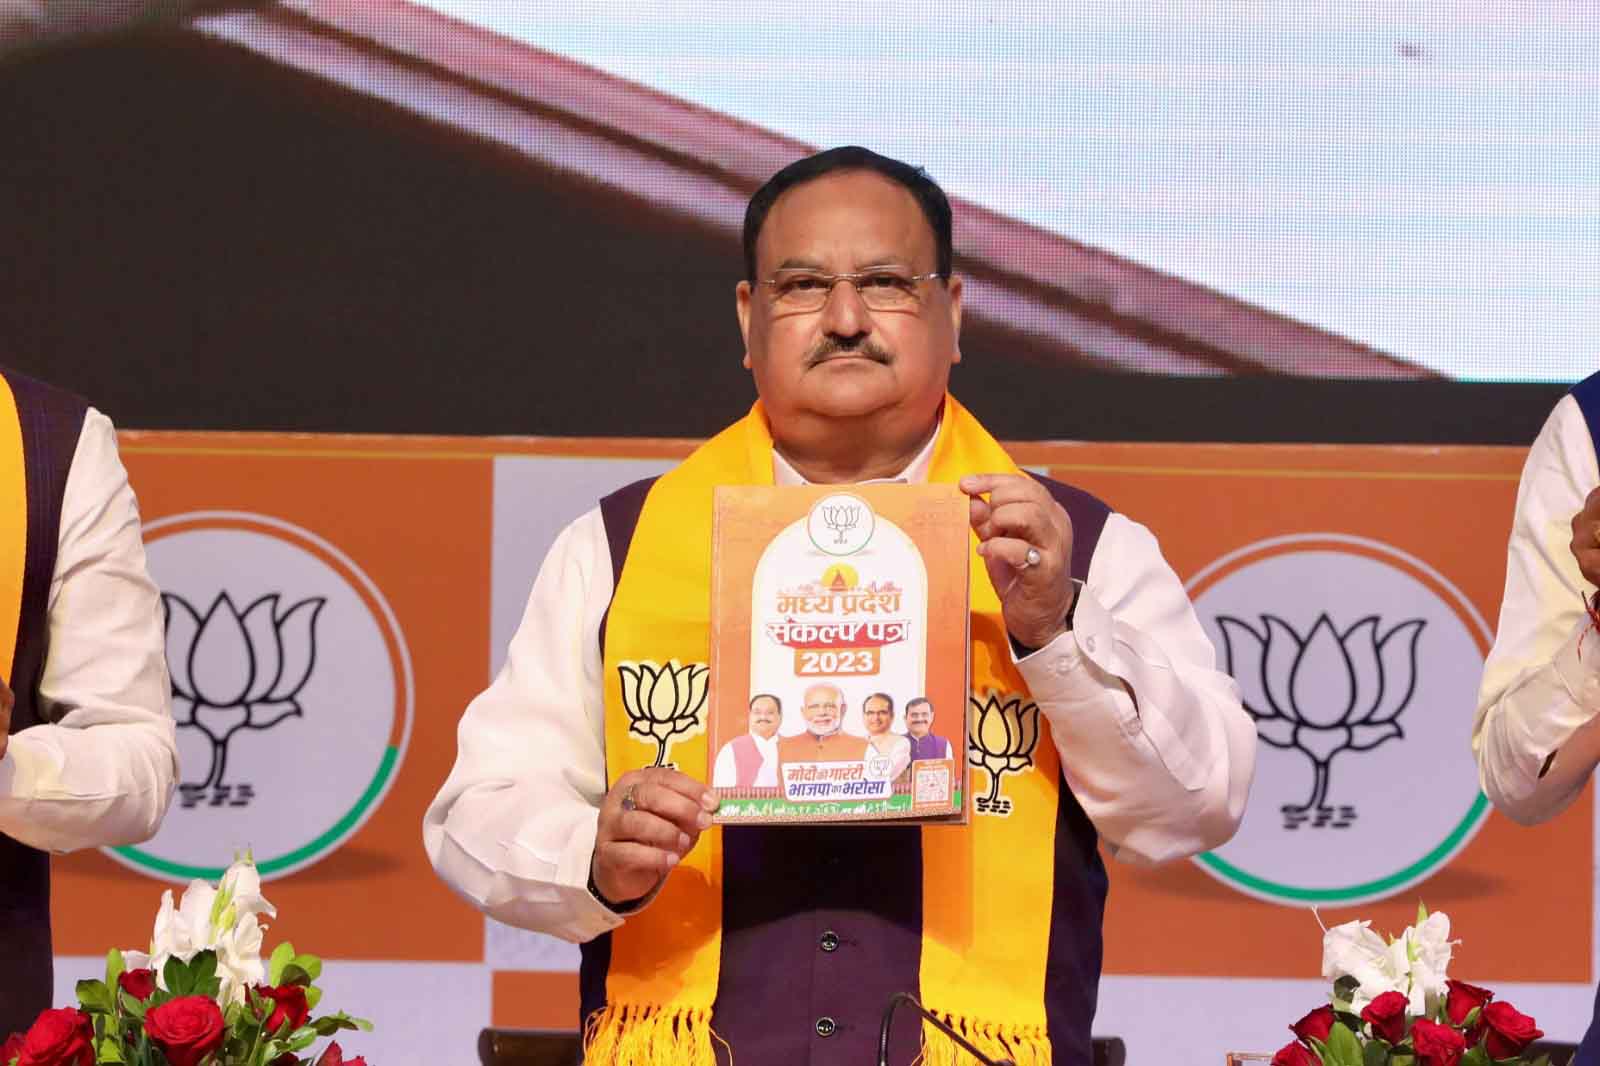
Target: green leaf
[
  {"x": 1422, "y": 912},
  {"x": 329, "y": 1024},
  {"x": 1344, "y": 990},
  {"x": 1476, "y": 1057},
  {"x": 116, "y": 966},
  {"x": 110, "y": 1050},
  {"x": 95, "y": 997},
  {"x": 281, "y": 956},
  {"x": 1376, "y": 1053},
  {"x": 1472, "y": 1018},
  {"x": 311, "y": 964},
  {"x": 130, "y": 1005},
  {"x": 176, "y": 976},
  {"x": 313, "y": 997},
  {"x": 294, "y": 974},
  {"x": 1344, "y": 1049},
  {"x": 203, "y": 966},
  {"x": 1402, "y": 1058}
]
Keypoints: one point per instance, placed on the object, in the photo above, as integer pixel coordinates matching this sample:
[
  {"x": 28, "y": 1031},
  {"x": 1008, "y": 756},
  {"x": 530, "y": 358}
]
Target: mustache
[{"x": 830, "y": 346}]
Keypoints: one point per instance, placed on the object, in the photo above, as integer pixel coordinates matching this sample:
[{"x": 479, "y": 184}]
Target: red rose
[
  {"x": 333, "y": 1056},
  {"x": 289, "y": 1005},
  {"x": 137, "y": 983},
  {"x": 1461, "y": 998},
  {"x": 1292, "y": 1054},
  {"x": 1387, "y": 1015},
  {"x": 61, "y": 1037},
  {"x": 1510, "y": 1031},
  {"x": 186, "y": 1029},
  {"x": 1436, "y": 1045},
  {"x": 1316, "y": 1024},
  {"x": 1460, "y": 1001},
  {"x": 11, "y": 1049}
]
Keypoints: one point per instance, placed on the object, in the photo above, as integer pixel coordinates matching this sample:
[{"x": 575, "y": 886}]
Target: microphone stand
[{"x": 888, "y": 1020}]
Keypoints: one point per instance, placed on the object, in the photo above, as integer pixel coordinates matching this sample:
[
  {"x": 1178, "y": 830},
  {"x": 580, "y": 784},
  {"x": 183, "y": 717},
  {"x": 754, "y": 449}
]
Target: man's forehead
[{"x": 857, "y": 216}]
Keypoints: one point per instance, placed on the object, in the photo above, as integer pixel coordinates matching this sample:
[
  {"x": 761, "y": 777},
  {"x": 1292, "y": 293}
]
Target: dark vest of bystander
[{"x": 50, "y": 421}]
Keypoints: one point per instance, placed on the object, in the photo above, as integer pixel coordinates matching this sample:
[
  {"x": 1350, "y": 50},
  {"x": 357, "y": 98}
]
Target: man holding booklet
[{"x": 784, "y": 943}]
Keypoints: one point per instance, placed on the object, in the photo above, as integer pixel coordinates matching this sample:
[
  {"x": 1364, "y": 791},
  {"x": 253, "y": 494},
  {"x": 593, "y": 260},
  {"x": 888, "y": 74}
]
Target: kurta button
[
  {"x": 1089, "y": 643},
  {"x": 829, "y": 941},
  {"x": 826, "y": 1026}
]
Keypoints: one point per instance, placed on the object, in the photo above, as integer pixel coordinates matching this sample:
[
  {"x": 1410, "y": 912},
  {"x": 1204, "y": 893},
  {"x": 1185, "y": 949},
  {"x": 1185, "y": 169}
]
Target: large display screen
[{"x": 1420, "y": 180}]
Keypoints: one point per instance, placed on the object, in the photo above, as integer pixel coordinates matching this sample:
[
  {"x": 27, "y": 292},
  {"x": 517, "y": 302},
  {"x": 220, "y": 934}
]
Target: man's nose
[{"x": 844, "y": 314}]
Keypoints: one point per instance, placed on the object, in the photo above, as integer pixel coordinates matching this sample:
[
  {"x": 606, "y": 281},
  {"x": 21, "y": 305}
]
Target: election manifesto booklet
[{"x": 839, "y": 653}]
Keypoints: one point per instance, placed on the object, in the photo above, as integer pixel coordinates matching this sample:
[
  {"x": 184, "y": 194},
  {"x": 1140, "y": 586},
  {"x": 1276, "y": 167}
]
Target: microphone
[{"x": 888, "y": 1020}]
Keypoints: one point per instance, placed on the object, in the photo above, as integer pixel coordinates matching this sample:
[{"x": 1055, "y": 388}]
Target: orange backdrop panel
[
  {"x": 1510, "y": 886},
  {"x": 415, "y": 516}
]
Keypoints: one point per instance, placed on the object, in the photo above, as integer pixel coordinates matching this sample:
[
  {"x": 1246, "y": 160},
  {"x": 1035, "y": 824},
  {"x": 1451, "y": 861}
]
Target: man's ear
[
  {"x": 954, "y": 287},
  {"x": 741, "y": 307}
]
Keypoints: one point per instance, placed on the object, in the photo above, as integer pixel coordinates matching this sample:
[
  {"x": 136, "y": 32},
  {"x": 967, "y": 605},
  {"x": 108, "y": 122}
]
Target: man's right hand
[
  {"x": 1586, "y": 538},
  {"x": 639, "y": 841}
]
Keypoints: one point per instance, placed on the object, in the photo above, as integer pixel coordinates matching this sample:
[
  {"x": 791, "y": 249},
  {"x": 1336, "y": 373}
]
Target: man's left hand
[
  {"x": 7, "y": 701},
  {"x": 1019, "y": 514}
]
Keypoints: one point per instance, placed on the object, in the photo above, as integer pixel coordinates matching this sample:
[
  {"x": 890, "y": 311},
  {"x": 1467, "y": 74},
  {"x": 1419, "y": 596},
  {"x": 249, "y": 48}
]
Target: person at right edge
[{"x": 1537, "y": 730}]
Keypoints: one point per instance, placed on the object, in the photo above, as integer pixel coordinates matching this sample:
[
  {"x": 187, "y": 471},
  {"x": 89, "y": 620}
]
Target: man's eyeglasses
[{"x": 880, "y": 290}]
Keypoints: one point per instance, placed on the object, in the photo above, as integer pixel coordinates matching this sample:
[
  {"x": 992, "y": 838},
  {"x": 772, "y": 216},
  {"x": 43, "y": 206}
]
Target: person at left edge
[{"x": 88, "y": 755}]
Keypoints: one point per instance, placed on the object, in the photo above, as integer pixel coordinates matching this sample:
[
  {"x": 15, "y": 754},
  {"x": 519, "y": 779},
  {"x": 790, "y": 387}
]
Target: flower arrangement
[
  {"x": 201, "y": 996},
  {"x": 1392, "y": 1005}
]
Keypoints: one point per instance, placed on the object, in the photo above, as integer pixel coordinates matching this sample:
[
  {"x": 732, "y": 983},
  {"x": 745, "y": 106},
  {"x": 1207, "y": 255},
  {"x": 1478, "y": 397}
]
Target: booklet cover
[{"x": 839, "y": 653}]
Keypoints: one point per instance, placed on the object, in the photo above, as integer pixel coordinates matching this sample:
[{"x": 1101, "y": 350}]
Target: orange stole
[
  {"x": 13, "y": 527},
  {"x": 985, "y": 914}
]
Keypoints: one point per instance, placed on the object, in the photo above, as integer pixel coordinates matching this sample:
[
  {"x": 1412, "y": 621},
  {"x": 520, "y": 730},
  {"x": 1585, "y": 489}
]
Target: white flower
[
  {"x": 1413, "y": 964},
  {"x": 240, "y": 888},
  {"x": 222, "y": 919},
  {"x": 239, "y": 962},
  {"x": 1428, "y": 947},
  {"x": 1354, "y": 950}
]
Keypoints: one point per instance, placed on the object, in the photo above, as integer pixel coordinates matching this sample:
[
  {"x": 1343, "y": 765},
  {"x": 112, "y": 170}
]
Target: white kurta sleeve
[
  {"x": 1152, "y": 737},
  {"x": 1541, "y": 682},
  {"x": 102, "y": 768},
  {"x": 513, "y": 828}
]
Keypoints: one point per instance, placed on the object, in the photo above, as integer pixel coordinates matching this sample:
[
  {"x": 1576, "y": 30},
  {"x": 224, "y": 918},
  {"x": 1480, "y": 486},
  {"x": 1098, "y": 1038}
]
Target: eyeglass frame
[{"x": 832, "y": 280}]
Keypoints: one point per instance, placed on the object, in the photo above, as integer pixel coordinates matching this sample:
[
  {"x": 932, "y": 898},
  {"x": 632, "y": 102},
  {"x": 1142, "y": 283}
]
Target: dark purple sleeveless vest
[
  {"x": 51, "y": 422},
  {"x": 815, "y": 957}
]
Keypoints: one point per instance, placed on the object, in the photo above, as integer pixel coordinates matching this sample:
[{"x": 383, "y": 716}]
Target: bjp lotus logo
[
  {"x": 663, "y": 702},
  {"x": 1004, "y": 733},
  {"x": 236, "y": 670},
  {"x": 1325, "y": 692}
]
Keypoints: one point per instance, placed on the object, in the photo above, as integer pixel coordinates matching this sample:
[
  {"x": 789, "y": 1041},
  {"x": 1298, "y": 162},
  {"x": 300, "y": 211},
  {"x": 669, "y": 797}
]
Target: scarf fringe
[
  {"x": 1025, "y": 1045},
  {"x": 630, "y": 1034}
]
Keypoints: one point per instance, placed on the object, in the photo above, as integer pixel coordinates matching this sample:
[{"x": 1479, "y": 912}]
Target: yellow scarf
[
  {"x": 983, "y": 955},
  {"x": 13, "y": 527}
]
